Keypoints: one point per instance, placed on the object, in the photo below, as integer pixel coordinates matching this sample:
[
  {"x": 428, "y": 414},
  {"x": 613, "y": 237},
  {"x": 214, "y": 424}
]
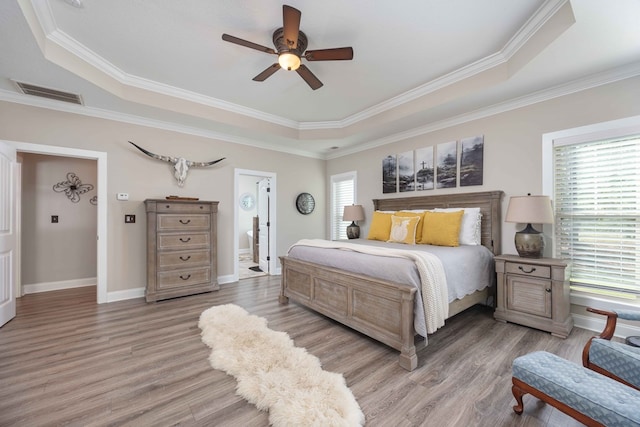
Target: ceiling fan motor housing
[{"x": 281, "y": 44}]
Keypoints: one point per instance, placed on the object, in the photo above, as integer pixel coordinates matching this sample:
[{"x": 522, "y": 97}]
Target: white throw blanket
[{"x": 434, "y": 282}]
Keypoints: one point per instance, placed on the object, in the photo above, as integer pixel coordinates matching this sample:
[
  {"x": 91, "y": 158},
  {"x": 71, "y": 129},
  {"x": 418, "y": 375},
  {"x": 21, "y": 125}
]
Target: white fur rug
[{"x": 275, "y": 375}]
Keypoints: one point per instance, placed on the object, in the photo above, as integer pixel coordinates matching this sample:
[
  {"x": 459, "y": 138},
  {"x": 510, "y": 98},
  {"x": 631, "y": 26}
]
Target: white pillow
[{"x": 470, "y": 225}]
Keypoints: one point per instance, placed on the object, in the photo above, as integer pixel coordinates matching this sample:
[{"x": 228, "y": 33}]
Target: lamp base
[
  {"x": 353, "y": 230},
  {"x": 529, "y": 243}
]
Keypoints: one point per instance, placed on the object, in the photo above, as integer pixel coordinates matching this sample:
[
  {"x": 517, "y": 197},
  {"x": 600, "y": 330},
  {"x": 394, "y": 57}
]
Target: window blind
[
  {"x": 342, "y": 194},
  {"x": 597, "y": 215}
]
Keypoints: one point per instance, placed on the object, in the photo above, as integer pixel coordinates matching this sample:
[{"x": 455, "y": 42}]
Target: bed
[{"x": 384, "y": 309}]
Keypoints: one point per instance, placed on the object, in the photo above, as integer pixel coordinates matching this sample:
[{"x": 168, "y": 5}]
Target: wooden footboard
[{"x": 379, "y": 309}]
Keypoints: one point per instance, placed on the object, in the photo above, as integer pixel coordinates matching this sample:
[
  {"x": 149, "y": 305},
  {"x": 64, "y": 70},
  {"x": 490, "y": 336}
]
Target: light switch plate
[{"x": 122, "y": 196}]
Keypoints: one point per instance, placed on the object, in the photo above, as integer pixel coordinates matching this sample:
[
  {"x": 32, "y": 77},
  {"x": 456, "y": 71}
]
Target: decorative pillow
[
  {"x": 441, "y": 228},
  {"x": 470, "y": 225},
  {"x": 420, "y": 215},
  {"x": 380, "y": 226},
  {"x": 403, "y": 229}
]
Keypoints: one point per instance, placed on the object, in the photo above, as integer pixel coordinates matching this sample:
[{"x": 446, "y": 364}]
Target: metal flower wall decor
[{"x": 72, "y": 187}]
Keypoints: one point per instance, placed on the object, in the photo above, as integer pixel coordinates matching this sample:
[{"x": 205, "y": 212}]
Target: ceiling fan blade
[
  {"x": 337, "y": 54},
  {"x": 245, "y": 43},
  {"x": 291, "y": 25},
  {"x": 309, "y": 77},
  {"x": 267, "y": 73}
]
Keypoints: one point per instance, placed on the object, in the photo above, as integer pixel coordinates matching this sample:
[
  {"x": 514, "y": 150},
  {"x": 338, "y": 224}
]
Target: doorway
[
  {"x": 261, "y": 186},
  {"x": 101, "y": 201}
]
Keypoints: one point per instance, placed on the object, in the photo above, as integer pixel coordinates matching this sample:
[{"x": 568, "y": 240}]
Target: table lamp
[
  {"x": 527, "y": 210},
  {"x": 353, "y": 213}
]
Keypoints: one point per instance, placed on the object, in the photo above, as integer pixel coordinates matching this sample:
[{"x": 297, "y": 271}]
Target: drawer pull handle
[
  {"x": 548, "y": 290},
  {"x": 185, "y": 278},
  {"x": 186, "y": 259},
  {"x": 525, "y": 271},
  {"x": 185, "y": 222},
  {"x": 185, "y": 241}
]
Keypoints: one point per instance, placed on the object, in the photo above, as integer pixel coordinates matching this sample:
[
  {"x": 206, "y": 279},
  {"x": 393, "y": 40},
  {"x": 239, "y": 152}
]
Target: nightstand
[{"x": 534, "y": 292}]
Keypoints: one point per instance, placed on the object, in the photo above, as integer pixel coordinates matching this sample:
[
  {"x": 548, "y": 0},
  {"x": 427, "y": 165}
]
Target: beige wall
[
  {"x": 142, "y": 177},
  {"x": 512, "y": 163},
  {"x": 512, "y": 146}
]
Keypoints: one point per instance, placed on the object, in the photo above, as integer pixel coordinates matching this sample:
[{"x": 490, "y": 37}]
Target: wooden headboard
[{"x": 489, "y": 202}]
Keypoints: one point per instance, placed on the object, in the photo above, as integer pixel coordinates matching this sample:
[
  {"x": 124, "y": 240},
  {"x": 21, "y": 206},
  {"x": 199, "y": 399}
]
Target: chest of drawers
[{"x": 181, "y": 248}]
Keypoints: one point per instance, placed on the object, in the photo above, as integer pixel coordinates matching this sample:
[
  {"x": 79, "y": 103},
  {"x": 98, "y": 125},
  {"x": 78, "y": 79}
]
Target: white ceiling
[{"x": 418, "y": 65}]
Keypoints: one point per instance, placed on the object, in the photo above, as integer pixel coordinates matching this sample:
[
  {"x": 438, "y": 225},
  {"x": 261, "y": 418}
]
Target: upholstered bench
[{"x": 589, "y": 397}]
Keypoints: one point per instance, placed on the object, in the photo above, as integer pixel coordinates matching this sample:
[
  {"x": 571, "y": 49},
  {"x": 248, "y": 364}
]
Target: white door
[
  {"x": 264, "y": 187},
  {"x": 8, "y": 237}
]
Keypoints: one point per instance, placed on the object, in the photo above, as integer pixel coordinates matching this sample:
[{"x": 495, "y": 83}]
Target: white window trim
[{"x": 598, "y": 131}]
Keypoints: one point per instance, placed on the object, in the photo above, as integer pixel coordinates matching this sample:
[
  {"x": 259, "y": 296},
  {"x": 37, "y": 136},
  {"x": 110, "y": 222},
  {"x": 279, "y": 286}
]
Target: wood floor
[{"x": 64, "y": 360}]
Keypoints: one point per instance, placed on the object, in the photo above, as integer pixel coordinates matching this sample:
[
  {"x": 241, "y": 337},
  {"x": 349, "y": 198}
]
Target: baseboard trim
[
  {"x": 34, "y": 288},
  {"x": 125, "y": 295}
]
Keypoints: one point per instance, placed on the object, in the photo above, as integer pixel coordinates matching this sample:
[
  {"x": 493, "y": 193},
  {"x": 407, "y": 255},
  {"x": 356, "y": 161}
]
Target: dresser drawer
[
  {"x": 180, "y": 278},
  {"x": 167, "y": 222},
  {"x": 541, "y": 271},
  {"x": 164, "y": 207},
  {"x": 183, "y": 241},
  {"x": 183, "y": 259}
]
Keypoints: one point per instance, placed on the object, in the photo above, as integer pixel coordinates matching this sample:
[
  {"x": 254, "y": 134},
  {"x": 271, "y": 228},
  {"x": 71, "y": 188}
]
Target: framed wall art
[
  {"x": 447, "y": 164},
  {"x": 389, "y": 175},
  {"x": 406, "y": 174},
  {"x": 424, "y": 168},
  {"x": 471, "y": 161}
]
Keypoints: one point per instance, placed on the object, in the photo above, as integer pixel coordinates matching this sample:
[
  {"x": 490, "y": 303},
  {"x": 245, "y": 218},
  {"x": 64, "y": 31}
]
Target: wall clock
[
  {"x": 247, "y": 201},
  {"x": 305, "y": 203}
]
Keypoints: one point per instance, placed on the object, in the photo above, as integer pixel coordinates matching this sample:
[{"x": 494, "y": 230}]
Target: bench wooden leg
[{"x": 518, "y": 393}]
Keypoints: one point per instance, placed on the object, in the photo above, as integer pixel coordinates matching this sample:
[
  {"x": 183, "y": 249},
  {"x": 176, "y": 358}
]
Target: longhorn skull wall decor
[{"x": 180, "y": 164}]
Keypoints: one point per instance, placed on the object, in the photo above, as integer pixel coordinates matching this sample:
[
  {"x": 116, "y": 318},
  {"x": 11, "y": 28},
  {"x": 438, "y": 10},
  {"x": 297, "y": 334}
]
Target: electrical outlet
[
  {"x": 54, "y": 219},
  {"x": 129, "y": 219}
]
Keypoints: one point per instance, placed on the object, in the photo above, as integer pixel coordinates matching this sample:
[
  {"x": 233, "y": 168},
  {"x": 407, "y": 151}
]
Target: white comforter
[{"x": 432, "y": 276}]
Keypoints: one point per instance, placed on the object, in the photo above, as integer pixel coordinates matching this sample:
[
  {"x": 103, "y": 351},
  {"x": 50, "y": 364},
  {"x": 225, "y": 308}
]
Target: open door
[
  {"x": 264, "y": 187},
  {"x": 8, "y": 237}
]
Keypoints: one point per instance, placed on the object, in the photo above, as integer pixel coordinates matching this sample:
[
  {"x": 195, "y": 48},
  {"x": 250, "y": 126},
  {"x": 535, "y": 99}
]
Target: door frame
[
  {"x": 273, "y": 259},
  {"x": 101, "y": 232}
]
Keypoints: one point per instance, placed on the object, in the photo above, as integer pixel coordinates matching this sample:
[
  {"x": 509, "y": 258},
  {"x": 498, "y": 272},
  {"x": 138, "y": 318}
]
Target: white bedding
[{"x": 467, "y": 268}]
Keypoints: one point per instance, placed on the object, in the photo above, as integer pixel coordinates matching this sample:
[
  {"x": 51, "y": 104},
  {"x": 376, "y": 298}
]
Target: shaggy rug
[{"x": 275, "y": 375}]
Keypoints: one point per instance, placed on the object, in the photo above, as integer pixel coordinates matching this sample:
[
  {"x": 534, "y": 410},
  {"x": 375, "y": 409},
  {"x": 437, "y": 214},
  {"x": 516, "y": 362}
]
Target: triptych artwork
[{"x": 445, "y": 165}]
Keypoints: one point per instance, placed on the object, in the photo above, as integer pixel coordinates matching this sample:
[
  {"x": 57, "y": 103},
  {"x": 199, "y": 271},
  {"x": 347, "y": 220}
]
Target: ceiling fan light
[{"x": 289, "y": 61}]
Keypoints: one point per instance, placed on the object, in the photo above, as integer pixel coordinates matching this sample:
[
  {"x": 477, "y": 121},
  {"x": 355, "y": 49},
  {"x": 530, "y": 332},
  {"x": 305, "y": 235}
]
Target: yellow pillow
[
  {"x": 441, "y": 228},
  {"x": 380, "y": 226},
  {"x": 419, "y": 226},
  {"x": 403, "y": 229}
]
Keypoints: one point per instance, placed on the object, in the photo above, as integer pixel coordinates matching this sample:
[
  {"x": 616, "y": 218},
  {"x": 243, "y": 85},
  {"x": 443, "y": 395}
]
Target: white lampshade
[
  {"x": 353, "y": 213},
  {"x": 289, "y": 61},
  {"x": 530, "y": 210}
]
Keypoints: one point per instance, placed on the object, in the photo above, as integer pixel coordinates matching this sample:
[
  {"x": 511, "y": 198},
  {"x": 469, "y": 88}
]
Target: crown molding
[
  {"x": 589, "y": 82},
  {"x": 54, "y": 35}
]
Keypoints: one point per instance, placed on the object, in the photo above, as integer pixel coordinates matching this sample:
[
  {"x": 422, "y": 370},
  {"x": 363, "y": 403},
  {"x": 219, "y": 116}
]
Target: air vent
[{"x": 45, "y": 92}]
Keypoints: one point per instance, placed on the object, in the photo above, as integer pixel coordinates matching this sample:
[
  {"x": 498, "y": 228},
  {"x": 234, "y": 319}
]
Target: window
[
  {"x": 343, "y": 192},
  {"x": 596, "y": 192}
]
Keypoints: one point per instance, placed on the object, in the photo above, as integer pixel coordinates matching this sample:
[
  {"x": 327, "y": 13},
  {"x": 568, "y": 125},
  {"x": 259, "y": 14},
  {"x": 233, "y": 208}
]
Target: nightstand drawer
[{"x": 541, "y": 271}]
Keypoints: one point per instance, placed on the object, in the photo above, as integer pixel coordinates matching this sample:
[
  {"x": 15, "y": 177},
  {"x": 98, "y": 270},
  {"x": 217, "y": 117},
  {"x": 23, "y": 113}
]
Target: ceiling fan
[{"x": 290, "y": 45}]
